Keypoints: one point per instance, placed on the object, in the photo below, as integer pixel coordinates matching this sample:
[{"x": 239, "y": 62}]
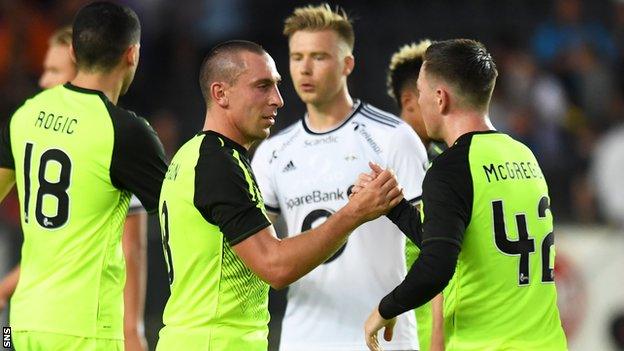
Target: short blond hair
[
  {"x": 62, "y": 36},
  {"x": 321, "y": 17},
  {"x": 404, "y": 67}
]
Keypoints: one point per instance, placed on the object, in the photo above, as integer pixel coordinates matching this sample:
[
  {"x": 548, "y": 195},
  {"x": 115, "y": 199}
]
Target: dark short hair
[
  {"x": 222, "y": 63},
  {"x": 466, "y": 65},
  {"x": 404, "y": 68},
  {"x": 102, "y": 33}
]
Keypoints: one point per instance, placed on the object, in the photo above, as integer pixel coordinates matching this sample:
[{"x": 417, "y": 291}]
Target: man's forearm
[
  {"x": 407, "y": 219},
  {"x": 428, "y": 276},
  {"x": 300, "y": 254}
]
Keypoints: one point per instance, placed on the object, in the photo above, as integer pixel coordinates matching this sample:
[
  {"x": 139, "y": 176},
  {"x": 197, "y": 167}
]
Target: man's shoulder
[
  {"x": 285, "y": 134},
  {"x": 373, "y": 117},
  {"x": 281, "y": 140}
]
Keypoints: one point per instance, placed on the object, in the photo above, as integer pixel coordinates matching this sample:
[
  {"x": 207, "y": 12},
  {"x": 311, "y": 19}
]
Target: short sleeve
[
  {"x": 227, "y": 195},
  {"x": 261, "y": 164},
  {"x": 138, "y": 163},
  {"x": 135, "y": 206},
  {"x": 447, "y": 197},
  {"x": 6, "y": 154},
  {"x": 407, "y": 156}
]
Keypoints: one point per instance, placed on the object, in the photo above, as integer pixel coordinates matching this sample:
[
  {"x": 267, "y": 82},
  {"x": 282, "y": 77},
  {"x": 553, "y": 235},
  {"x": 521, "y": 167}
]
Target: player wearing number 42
[
  {"x": 74, "y": 176},
  {"x": 494, "y": 238}
]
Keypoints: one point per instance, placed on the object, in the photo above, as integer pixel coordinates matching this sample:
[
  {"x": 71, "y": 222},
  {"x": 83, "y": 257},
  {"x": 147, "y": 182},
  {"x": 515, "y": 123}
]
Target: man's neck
[
  {"x": 465, "y": 122},
  {"x": 221, "y": 124},
  {"x": 108, "y": 83},
  {"x": 325, "y": 116}
]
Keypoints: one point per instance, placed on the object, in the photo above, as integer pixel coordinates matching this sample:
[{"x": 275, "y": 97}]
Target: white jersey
[{"x": 304, "y": 176}]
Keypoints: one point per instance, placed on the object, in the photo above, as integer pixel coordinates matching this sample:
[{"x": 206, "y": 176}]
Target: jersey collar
[
  {"x": 72, "y": 87},
  {"x": 465, "y": 138},
  {"x": 226, "y": 141},
  {"x": 357, "y": 104}
]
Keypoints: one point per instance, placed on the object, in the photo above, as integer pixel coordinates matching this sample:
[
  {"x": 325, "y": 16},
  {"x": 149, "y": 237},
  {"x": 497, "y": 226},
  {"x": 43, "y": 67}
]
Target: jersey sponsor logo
[
  {"x": 350, "y": 157},
  {"x": 55, "y": 123},
  {"x": 287, "y": 143},
  {"x": 315, "y": 196},
  {"x": 330, "y": 139},
  {"x": 273, "y": 156},
  {"x": 512, "y": 170},
  {"x": 361, "y": 128},
  {"x": 290, "y": 166}
]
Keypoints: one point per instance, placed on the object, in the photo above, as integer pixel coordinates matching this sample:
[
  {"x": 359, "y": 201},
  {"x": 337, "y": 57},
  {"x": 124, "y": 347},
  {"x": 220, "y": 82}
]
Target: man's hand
[
  {"x": 373, "y": 324},
  {"x": 378, "y": 196},
  {"x": 3, "y": 303},
  {"x": 365, "y": 178}
]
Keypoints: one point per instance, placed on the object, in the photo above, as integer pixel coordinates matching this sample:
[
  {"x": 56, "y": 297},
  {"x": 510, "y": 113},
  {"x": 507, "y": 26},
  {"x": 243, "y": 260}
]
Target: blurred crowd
[{"x": 560, "y": 88}]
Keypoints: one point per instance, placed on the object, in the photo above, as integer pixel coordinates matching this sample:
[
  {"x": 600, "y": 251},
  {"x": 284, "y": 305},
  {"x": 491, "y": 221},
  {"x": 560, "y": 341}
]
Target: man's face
[
  {"x": 58, "y": 67},
  {"x": 428, "y": 102},
  {"x": 410, "y": 112},
  {"x": 254, "y": 97},
  {"x": 317, "y": 65}
]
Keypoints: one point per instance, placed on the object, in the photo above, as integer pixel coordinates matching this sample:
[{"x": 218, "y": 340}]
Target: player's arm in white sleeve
[{"x": 261, "y": 165}]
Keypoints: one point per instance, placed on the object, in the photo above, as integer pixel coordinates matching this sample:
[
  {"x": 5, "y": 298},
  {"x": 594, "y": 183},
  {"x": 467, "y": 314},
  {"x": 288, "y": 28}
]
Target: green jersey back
[
  {"x": 77, "y": 157},
  {"x": 210, "y": 202},
  {"x": 503, "y": 293}
]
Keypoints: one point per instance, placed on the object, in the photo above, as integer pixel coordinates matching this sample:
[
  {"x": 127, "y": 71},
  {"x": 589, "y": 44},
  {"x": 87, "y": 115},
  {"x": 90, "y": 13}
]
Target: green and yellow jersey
[
  {"x": 210, "y": 202},
  {"x": 487, "y": 219},
  {"x": 77, "y": 158}
]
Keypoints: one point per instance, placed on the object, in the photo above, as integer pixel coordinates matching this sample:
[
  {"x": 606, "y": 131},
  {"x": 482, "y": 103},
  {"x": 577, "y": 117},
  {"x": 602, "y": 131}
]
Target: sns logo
[{"x": 6, "y": 338}]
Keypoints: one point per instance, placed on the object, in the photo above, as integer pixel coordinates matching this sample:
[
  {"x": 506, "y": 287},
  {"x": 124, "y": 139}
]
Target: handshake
[{"x": 374, "y": 193}]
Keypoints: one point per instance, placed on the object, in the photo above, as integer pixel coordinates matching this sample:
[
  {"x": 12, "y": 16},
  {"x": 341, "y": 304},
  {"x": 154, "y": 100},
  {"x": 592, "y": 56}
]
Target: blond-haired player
[{"x": 304, "y": 173}]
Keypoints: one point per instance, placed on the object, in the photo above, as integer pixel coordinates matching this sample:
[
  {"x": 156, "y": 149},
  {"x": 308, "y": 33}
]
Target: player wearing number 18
[
  {"x": 75, "y": 158},
  {"x": 486, "y": 219}
]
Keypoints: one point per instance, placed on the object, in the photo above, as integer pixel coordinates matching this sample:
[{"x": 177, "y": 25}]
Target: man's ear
[
  {"x": 349, "y": 65},
  {"x": 132, "y": 54},
  {"x": 443, "y": 100},
  {"x": 72, "y": 53},
  {"x": 218, "y": 94}
]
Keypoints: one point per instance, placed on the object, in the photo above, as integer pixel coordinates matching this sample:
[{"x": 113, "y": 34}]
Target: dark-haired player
[
  {"x": 486, "y": 219},
  {"x": 75, "y": 158},
  {"x": 221, "y": 249}
]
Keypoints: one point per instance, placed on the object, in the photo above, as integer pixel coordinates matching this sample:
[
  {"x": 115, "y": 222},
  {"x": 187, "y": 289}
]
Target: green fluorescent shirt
[
  {"x": 210, "y": 202},
  {"x": 77, "y": 157},
  {"x": 490, "y": 187}
]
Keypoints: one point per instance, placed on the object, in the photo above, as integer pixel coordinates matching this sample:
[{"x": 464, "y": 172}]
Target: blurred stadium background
[{"x": 560, "y": 91}]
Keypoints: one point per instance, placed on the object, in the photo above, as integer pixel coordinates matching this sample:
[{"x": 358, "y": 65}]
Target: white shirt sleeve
[
  {"x": 135, "y": 206},
  {"x": 407, "y": 156},
  {"x": 261, "y": 165}
]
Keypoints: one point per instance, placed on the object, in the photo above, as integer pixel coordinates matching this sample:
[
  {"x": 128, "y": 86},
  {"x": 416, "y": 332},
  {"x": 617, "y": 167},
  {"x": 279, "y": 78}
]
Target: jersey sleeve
[
  {"x": 6, "y": 154},
  {"x": 227, "y": 196},
  {"x": 138, "y": 164},
  {"x": 447, "y": 197},
  {"x": 261, "y": 165},
  {"x": 135, "y": 206},
  {"x": 407, "y": 156}
]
